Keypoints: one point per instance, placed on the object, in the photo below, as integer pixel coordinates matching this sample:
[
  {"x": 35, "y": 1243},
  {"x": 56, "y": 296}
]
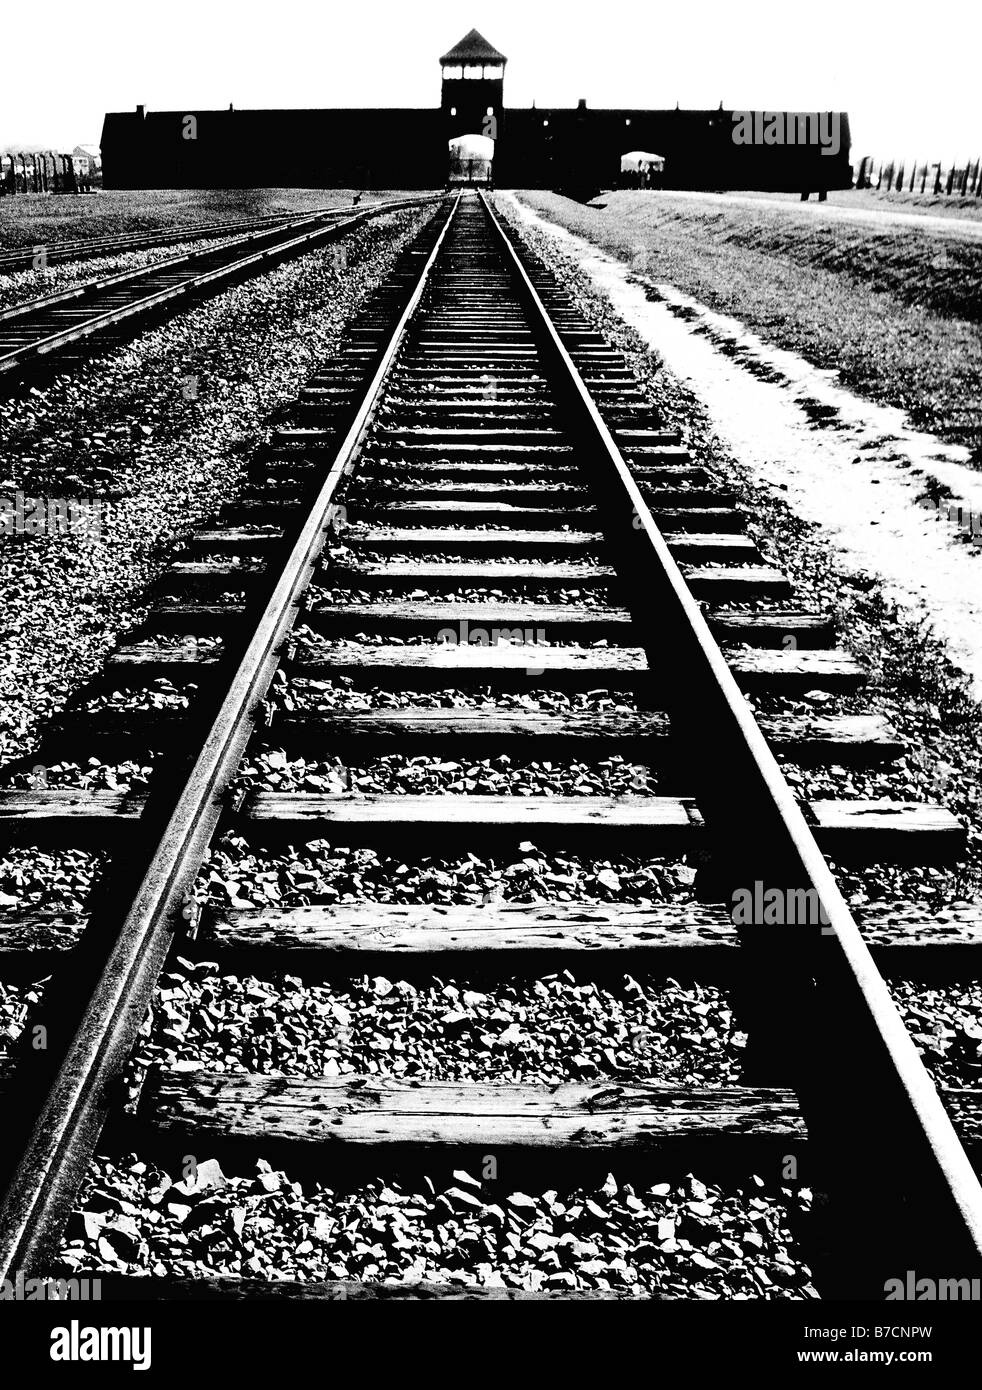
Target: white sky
[{"x": 907, "y": 73}]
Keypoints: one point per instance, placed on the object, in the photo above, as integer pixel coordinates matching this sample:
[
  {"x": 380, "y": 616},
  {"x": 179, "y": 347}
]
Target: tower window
[
  {"x": 453, "y": 110},
  {"x": 489, "y": 111},
  {"x": 474, "y": 72},
  {"x": 452, "y": 74},
  {"x": 495, "y": 71}
]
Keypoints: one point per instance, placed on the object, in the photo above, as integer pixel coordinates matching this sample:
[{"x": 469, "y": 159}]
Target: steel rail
[
  {"x": 40, "y": 347},
  {"x": 83, "y": 247},
  {"x": 73, "y": 1113},
  {"x": 898, "y": 1103},
  {"x": 122, "y": 277},
  {"x": 23, "y": 258}
]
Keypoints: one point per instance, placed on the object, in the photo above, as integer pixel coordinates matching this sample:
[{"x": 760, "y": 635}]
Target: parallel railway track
[
  {"x": 44, "y": 330},
  {"x": 83, "y": 248},
  {"x": 475, "y": 433}
]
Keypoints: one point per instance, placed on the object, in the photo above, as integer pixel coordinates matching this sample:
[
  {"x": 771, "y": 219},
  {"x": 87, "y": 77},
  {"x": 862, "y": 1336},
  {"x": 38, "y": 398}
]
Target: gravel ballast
[
  {"x": 321, "y": 871},
  {"x": 683, "y": 1239},
  {"x": 163, "y": 429},
  {"x": 557, "y": 1028}
]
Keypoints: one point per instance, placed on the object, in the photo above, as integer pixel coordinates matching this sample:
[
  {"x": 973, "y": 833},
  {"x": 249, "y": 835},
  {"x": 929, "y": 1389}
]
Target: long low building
[{"x": 576, "y": 148}]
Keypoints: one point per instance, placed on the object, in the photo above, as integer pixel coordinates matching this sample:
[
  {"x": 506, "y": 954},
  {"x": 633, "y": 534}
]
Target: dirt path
[{"x": 855, "y": 468}]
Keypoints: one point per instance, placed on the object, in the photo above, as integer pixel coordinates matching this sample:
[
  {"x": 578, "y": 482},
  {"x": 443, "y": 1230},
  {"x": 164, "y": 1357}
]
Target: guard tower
[{"x": 473, "y": 88}]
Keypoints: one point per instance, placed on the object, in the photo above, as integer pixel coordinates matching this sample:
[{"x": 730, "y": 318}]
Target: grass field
[
  {"x": 898, "y": 310},
  {"x": 868, "y": 200},
  {"x": 35, "y": 218}
]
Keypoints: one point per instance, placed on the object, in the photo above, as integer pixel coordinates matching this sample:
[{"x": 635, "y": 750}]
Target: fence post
[{"x": 950, "y": 183}]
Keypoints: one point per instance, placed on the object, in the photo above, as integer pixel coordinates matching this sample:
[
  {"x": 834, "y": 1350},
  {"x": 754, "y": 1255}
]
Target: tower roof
[{"x": 473, "y": 48}]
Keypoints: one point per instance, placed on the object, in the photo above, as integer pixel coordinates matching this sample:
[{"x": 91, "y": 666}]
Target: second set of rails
[
  {"x": 46, "y": 330},
  {"x": 84, "y": 248}
]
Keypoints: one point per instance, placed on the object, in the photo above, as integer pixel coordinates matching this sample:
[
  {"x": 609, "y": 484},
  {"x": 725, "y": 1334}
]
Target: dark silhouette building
[{"x": 575, "y": 149}]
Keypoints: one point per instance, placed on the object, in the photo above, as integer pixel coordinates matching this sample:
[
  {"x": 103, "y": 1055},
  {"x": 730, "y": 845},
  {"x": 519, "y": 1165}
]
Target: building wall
[
  {"x": 582, "y": 148},
  {"x": 577, "y": 149},
  {"x": 274, "y": 149}
]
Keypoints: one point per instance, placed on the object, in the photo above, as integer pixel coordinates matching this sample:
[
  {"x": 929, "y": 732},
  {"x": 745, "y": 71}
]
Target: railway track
[
  {"x": 475, "y": 434},
  {"x": 48, "y": 328},
  {"x": 83, "y": 248}
]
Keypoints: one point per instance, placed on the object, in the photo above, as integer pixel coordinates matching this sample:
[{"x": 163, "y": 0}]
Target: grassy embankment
[
  {"x": 897, "y": 309},
  {"x": 869, "y": 200}
]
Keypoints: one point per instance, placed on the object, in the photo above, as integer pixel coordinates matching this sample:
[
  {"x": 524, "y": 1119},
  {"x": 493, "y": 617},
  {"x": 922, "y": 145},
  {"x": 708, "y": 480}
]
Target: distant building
[
  {"x": 87, "y": 161},
  {"x": 577, "y": 149}
]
